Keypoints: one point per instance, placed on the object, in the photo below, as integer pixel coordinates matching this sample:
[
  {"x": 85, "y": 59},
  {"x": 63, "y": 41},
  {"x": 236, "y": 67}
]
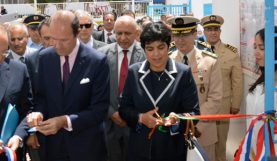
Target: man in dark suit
[
  {"x": 32, "y": 59},
  {"x": 15, "y": 87},
  {"x": 107, "y": 35},
  {"x": 126, "y": 33},
  {"x": 32, "y": 63},
  {"x": 86, "y": 30},
  {"x": 73, "y": 95}
]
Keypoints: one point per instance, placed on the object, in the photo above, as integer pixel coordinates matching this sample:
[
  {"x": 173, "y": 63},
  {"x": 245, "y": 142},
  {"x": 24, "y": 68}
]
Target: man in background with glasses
[
  {"x": 206, "y": 73},
  {"x": 230, "y": 65},
  {"x": 86, "y": 30}
]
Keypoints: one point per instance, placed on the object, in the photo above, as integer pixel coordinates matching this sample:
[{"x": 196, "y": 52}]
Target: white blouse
[{"x": 255, "y": 105}]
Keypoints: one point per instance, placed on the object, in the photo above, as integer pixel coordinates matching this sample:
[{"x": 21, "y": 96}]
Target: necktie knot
[
  {"x": 22, "y": 59},
  {"x": 186, "y": 60},
  {"x": 66, "y": 58},
  {"x": 125, "y": 52},
  {"x": 109, "y": 33},
  {"x": 213, "y": 48}
]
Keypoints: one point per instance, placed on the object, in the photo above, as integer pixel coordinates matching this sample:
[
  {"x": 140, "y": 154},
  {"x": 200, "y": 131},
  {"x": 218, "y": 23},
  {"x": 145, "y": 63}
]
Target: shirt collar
[
  {"x": 119, "y": 49},
  {"x": 74, "y": 52},
  {"x": 189, "y": 54},
  {"x": 90, "y": 42},
  {"x": 106, "y": 32}
]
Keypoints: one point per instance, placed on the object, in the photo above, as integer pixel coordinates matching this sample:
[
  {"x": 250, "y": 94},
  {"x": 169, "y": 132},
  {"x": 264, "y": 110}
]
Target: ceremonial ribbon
[
  {"x": 244, "y": 150},
  {"x": 202, "y": 117},
  {"x": 10, "y": 154}
]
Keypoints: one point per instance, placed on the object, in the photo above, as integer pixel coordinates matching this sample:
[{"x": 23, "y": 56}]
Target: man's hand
[
  {"x": 14, "y": 143},
  {"x": 33, "y": 142},
  {"x": 52, "y": 126},
  {"x": 1, "y": 147},
  {"x": 234, "y": 110},
  {"x": 34, "y": 118},
  {"x": 118, "y": 120}
]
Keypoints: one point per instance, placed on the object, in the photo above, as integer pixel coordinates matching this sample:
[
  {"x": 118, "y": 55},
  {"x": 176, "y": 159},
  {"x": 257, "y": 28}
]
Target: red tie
[
  {"x": 66, "y": 71},
  {"x": 123, "y": 71}
]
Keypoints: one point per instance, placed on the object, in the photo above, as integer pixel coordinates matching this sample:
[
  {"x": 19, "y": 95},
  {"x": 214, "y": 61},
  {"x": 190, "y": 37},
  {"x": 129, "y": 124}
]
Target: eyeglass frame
[{"x": 87, "y": 26}]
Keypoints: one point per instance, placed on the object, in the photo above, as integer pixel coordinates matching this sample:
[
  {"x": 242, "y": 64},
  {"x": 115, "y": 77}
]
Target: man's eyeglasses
[{"x": 88, "y": 25}]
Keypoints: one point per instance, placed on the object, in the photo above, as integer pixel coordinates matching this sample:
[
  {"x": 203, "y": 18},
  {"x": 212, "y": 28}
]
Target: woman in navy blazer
[{"x": 157, "y": 86}]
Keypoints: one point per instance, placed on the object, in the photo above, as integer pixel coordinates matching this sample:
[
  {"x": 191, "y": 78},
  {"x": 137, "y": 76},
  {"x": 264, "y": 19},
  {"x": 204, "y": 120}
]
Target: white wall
[
  {"x": 231, "y": 27},
  {"x": 198, "y": 7}
]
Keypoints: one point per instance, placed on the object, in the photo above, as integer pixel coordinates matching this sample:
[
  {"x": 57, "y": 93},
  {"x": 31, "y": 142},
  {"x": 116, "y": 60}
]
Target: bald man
[
  {"x": 73, "y": 96},
  {"x": 18, "y": 39},
  {"x": 126, "y": 47}
]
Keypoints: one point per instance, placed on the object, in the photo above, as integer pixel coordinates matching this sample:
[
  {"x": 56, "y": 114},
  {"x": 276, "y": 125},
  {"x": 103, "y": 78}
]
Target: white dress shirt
[{"x": 121, "y": 55}]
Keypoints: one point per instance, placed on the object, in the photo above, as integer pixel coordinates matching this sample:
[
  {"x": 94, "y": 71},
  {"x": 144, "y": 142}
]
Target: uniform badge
[
  {"x": 35, "y": 18},
  {"x": 202, "y": 88},
  {"x": 200, "y": 76}
]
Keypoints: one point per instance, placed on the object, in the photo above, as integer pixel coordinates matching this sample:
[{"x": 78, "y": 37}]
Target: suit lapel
[
  {"x": 94, "y": 45},
  {"x": 113, "y": 62},
  {"x": 56, "y": 78},
  {"x": 10, "y": 56},
  {"x": 4, "y": 79},
  {"x": 136, "y": 54},
  {"x": 145, "y": 81},
  {"x": 103, "y": 36},
  {"x": 77, "y": 68}
]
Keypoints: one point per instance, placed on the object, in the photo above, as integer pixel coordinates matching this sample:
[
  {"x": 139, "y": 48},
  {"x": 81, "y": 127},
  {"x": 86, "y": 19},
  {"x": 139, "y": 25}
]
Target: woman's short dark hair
[
  {"x": 155, "y": 32},
  {"x": 261, "y": 79}
]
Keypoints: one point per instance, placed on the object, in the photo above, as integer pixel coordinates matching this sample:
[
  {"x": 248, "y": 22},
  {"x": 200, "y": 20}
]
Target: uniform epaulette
[
  {"x": 172, "y": 48},
  {"x": 234, "y": 49},
  {"x": 204, "y": 44},
  {"x": 209, "y": 54}
]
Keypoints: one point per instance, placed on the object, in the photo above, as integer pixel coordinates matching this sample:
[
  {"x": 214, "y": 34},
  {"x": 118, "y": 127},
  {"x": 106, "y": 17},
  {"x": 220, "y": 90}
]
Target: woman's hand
[
  {"x": 172, "y": 119},
  {"x": 150, "y": 118}
]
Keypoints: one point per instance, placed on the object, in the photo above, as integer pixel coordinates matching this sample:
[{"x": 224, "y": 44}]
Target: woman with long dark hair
[{"x": 255, "y": 98}]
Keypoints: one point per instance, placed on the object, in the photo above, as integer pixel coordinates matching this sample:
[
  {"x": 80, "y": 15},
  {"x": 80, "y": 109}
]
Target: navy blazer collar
[
  {"x": 144, "y": 79},
  {"x": 170, "y": 67}
]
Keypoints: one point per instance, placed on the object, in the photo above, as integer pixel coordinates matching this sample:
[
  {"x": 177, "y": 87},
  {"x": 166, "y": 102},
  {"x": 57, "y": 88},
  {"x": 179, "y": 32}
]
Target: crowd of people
[{"x": 98, "y": 95}]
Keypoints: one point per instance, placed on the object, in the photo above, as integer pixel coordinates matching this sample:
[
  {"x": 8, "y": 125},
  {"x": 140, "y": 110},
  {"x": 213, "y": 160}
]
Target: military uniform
[
  {"x": 207, "y": 76},
  {"x": 230, "y": 65},
  {"x": 32, "y": 23},
  {"x": 199, "y": 45}
]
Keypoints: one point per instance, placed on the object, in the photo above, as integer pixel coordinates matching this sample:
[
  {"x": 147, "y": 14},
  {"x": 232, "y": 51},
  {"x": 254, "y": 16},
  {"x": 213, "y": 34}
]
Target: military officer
[
  {"x": 32, "y": 23},
  {"x": 230, "y": 65},
  {"x": 206, "y": 73}
]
